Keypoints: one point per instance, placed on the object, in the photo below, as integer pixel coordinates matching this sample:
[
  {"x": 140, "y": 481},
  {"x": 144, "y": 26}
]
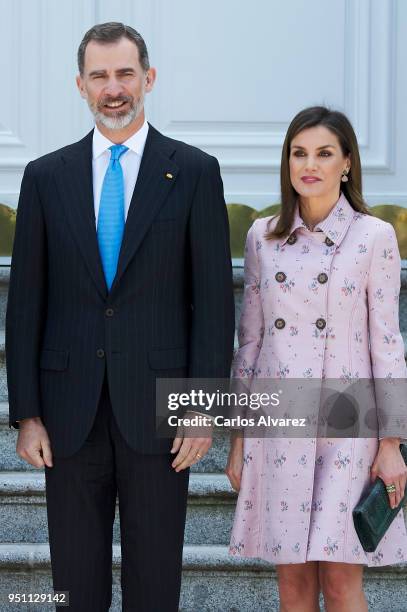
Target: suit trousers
[{"x": 81, "y": 493}]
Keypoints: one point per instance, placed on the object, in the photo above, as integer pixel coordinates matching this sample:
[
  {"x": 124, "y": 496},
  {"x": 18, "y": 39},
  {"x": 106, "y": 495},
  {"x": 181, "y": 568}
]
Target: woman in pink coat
[{"x": 321, "y": 294}]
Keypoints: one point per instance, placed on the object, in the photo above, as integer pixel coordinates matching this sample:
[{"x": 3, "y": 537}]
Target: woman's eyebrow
[{"x": 318, "y": 148}]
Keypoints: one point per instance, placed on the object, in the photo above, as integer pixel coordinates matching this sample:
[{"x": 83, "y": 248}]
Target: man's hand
[
  {"x": 192, "y": 443},
  {"x": 33, "y": 444}
]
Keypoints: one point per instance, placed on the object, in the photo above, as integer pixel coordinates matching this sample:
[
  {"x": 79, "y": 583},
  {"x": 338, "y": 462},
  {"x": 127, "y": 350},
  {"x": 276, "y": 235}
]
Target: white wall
[{"x": 231, "y": 75}]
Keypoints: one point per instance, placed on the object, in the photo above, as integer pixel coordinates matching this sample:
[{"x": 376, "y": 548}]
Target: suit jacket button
[
  {"x": 292, "y": 239},
  {"x": 280, "y": 277},
  {"x": 322, "y": 278},
  {"x": 100, "y": 353},
  {"x": 109, "y": 312},
  {"x": 279, "y": 323},
  {"x": 320, "y": 323},
  {"x": 328, "y": 241}
]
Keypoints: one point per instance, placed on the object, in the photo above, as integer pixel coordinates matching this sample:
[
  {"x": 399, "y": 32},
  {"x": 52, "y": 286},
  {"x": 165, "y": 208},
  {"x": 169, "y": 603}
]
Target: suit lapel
[
  {"x": 155, "y": 179},
  {"x": 76, "y": 189},
  {"x": 74, "y": 179}
]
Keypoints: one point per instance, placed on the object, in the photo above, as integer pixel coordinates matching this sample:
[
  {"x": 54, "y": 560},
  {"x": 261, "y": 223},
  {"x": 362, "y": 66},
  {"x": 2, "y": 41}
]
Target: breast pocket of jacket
[{"x": 52, "y": 359}]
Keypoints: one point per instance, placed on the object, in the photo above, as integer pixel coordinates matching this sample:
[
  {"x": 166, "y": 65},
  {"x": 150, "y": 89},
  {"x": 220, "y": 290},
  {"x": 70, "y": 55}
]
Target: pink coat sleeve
[
  {"x": 386, "y": 343},
  {"x": 251, "y": 324}
]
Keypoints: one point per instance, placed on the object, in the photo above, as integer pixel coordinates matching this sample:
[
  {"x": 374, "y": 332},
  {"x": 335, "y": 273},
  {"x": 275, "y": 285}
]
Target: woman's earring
[{"x": 344, "y": 177}]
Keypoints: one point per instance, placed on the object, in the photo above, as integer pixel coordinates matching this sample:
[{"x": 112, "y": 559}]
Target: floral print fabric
[{"x": 320, "y": 304}]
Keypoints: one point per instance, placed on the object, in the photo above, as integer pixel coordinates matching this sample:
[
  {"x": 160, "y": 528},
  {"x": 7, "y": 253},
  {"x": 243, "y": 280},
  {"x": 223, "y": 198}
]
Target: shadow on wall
[{"x": 240, "y": 218}]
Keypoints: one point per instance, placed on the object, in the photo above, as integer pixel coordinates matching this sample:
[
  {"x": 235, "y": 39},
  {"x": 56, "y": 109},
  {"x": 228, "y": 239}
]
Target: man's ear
[
  {"x": 79, "y": 84},
  {"x": 150, "y": 77}
]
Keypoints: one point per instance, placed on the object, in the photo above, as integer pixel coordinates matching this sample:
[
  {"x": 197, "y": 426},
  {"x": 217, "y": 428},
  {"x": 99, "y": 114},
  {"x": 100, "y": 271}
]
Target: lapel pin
[{"x": 169, "y": 175}]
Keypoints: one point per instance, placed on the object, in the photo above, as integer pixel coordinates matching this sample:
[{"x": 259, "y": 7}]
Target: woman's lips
[{"x": 310, "y": 179}]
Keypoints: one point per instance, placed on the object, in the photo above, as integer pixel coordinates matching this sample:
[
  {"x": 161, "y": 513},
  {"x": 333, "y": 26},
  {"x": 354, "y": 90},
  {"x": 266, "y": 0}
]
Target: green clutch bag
[{"x": 373, "y": 515}]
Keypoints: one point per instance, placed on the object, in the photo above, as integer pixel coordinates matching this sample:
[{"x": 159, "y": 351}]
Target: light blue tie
[{"x": 111, "y": 214}]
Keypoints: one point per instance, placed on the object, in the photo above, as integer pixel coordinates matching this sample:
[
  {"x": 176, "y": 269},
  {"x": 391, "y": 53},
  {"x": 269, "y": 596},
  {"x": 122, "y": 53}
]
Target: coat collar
[
  {"x": 334, "y": 226},
  {"x": 74, "y": 179}
]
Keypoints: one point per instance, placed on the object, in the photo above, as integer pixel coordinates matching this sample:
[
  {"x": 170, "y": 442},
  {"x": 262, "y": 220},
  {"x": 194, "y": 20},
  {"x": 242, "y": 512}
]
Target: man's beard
[{"x": 120, "y": 119}]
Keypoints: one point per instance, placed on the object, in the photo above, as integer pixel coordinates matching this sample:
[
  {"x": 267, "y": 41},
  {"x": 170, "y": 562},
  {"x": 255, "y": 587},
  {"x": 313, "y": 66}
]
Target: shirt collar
[
  {"x": 135, "y": 143},
  {"x": 334, "y": 226}
]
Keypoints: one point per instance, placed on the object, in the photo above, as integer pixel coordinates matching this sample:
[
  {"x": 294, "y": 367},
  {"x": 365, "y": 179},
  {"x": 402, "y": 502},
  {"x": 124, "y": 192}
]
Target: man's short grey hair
[{"x": 111, "y": 32}]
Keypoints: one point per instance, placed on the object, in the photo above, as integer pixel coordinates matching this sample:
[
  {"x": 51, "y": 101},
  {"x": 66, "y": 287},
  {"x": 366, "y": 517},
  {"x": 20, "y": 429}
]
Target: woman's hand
[
  {"x": 390, "y": 467},
  {"x": 235, "y": 460}
]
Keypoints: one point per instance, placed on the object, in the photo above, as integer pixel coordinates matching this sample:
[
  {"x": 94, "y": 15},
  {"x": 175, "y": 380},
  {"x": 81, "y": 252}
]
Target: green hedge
[
  {"x": 240, "y": 218},
  {"x": 7, "y": 228}
]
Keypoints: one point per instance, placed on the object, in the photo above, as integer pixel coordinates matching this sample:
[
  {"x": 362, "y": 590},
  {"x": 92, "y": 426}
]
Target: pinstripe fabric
[
  {"x": 172, "y": 296},
  {"x": 81, "y": 497},
  {"x": 110, "y": 227}
]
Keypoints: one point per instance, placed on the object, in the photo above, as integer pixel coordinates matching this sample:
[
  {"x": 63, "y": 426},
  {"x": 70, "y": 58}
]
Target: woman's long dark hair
[{"x": 337, "y": 123}]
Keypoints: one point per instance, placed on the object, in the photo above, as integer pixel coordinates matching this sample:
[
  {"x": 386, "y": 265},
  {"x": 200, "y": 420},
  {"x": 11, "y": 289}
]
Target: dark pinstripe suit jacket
[{"x": 170, "y": 309}]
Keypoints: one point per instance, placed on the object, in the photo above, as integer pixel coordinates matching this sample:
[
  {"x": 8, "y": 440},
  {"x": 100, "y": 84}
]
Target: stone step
[
  {"x": 238, "y": 279},
  {"x": 238, "y": 287},
  {"x": 4, "y": 280},
  {"x": 211, "y": 505},
  {"x": 212, "y": 581},
  {"x": 214, "y": 461},
  {"x": 3, "y": 374}
]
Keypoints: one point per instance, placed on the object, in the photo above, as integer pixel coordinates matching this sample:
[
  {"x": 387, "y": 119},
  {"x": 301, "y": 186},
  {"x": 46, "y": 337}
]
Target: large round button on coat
[
  {"x": 320, "y": 323},
  {"x": 109, "y": 312},
  {"x": 279, "y": 323},
  {"x": 100, "y": 353},
  {"x": 280, "y": 277},
  {"x": 328, "y": 241},
  {"x": 322, "y": 277},
  {"x": 292, "y": 239}
]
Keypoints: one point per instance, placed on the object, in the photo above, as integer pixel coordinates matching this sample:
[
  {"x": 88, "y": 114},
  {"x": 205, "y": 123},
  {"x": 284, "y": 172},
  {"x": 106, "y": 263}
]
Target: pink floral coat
[{"x": 332, "y": 313}]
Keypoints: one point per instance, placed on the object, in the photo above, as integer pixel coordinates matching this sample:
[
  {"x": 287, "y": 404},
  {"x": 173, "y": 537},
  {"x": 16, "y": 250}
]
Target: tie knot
[{"x": 117, "y": 151}]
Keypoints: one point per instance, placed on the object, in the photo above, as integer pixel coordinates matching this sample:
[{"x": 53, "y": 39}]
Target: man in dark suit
[{"x": 120, "y": 274}]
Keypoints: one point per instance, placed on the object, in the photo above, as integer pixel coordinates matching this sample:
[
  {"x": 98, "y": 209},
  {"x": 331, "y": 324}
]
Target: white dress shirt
[{"x": 130, "y": 163}]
